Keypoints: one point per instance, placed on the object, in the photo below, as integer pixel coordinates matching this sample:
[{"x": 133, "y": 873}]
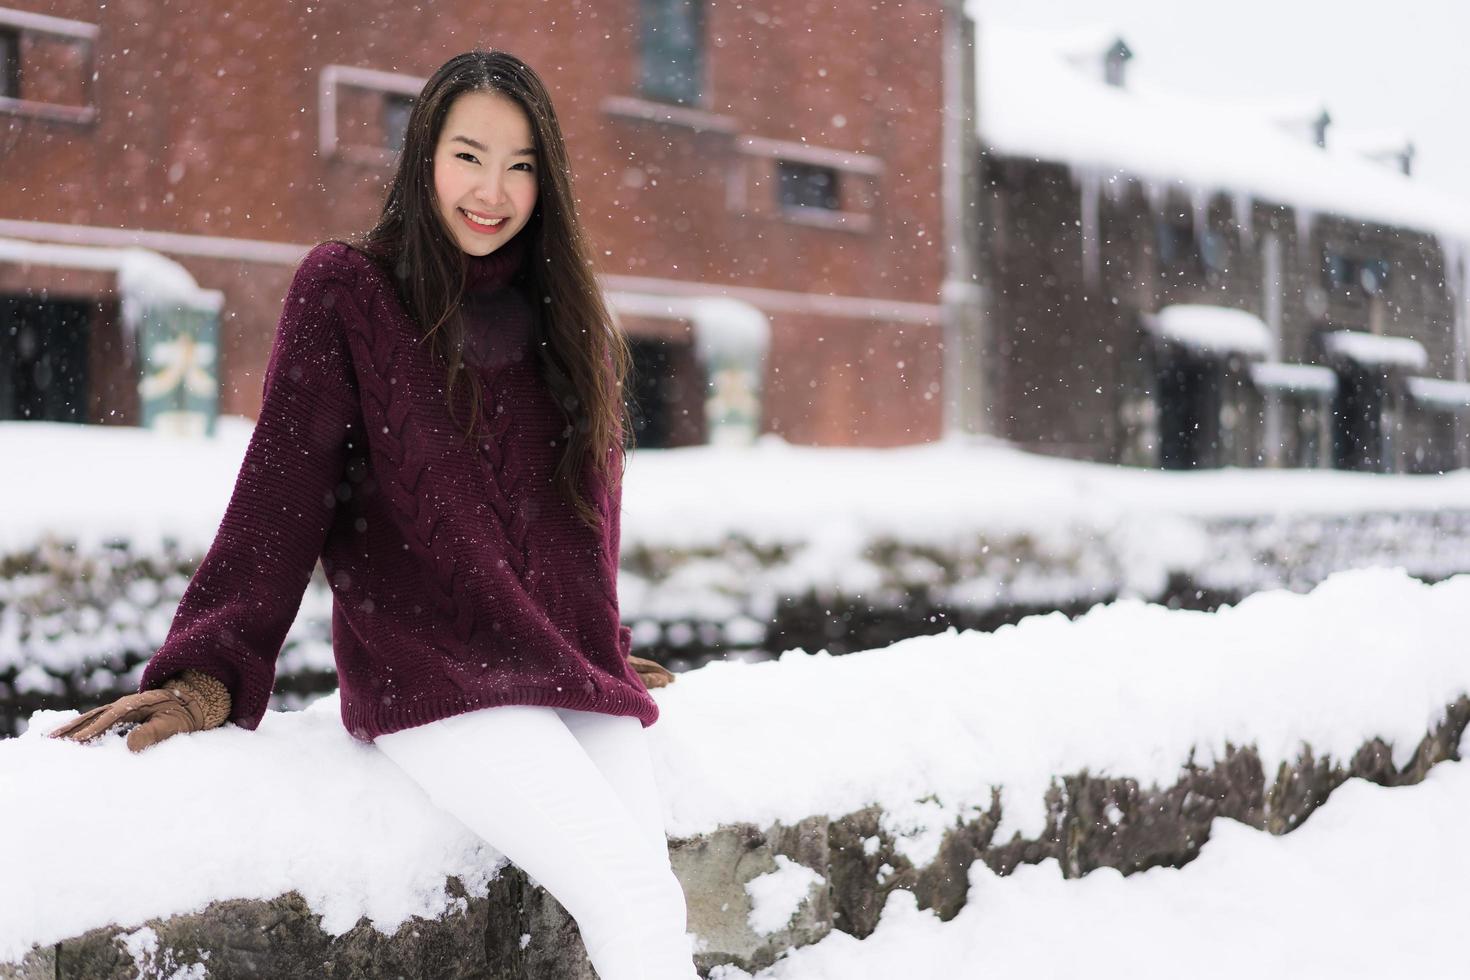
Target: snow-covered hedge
[{"x": 730, "y": 549}]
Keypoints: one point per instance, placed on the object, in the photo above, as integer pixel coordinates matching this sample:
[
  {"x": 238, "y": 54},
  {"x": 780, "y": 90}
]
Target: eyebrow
[{"x": 529, "y": 151}]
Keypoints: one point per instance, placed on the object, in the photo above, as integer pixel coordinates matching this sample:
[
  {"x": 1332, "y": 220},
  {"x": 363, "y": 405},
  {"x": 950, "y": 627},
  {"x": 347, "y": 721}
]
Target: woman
[{"x": 443, "y": 427}]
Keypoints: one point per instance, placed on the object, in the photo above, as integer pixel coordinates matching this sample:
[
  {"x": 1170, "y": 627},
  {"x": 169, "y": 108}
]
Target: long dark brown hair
[{"x": 585, "y": 360}]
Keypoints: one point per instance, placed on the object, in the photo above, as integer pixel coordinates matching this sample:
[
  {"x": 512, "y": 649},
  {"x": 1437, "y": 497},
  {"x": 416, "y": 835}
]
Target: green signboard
[{"x": 179, "y": 387}]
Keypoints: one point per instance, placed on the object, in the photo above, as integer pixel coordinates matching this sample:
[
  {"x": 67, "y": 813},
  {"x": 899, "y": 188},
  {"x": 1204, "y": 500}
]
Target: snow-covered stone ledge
[{"x": 799, "y": 793}]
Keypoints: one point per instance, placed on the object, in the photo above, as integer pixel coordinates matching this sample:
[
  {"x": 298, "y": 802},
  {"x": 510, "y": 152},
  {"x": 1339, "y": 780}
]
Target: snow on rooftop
[
  {"x": 1373, "y": 142},
  {"x": 723, "y": 327},
  {"x": 1377, "y": 350},
  {"x": 1034, "y": 102},
  {"x": 144, "y": 277},
  {"x": 1217, "y": 329}
]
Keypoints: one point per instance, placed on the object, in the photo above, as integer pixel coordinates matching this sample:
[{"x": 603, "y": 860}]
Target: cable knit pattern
[
  {"x": 209, "y": 694},
  {"x": 501, "y": 486},
  {"x": 460, "y": 578},
  {"x": 404, "y": 469}
]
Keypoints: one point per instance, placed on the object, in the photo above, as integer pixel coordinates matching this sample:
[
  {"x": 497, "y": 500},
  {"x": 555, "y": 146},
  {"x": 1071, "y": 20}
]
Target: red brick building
[{"x": 749, "y": 175}]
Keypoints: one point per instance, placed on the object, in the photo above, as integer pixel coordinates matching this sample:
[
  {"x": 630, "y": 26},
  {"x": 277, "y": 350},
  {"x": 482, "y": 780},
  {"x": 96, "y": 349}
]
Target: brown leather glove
[
  {"x": 189, "y": 702},
  {"x": 651, "y": 674}
]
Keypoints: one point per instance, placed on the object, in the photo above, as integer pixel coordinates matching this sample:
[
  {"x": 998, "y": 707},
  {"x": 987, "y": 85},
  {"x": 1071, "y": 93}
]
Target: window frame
[
  {"x": 18, "y": 24},
  {"x": 331, "y": 80},
  {"x": 859, "y": 176}
]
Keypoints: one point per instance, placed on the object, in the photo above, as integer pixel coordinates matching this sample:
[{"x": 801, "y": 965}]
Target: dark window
[
  {"x": 43, "y": 360},
  {"x": 1182, "y": 252},
  {"x": 1357, "y": 421},
  {"x": 666, "y": 393},
  {"x": 1354, "y": 275},
  {"x": 1305, "y": 415},
  {"x": 1435, "y": 452},
  {"x": 9, "y": 63},
  {"x": 806, "y": 185},
  {"x": 673, "y": 51},
  {"x": 1213, "y": 251},
  {"x": 1178, "y": 253},
  {"x": 653, "y": 397},
  {"x": 1189, "y": 411},
  {"x": 396, "y": 110}
]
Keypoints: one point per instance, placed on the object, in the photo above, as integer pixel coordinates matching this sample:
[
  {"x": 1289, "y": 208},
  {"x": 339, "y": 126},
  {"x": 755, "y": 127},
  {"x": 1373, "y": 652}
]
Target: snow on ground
[
  {"x": 156, "y": 485},
  {"x": 771, "y": 492},
  {"x": 1017, "y": 529},
  {"x": 1372, "y": 886},
  {"x": 1128, "y": 689}
]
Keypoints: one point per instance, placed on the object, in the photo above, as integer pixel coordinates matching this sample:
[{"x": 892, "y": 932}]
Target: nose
[{"x": 492, "y": 190}]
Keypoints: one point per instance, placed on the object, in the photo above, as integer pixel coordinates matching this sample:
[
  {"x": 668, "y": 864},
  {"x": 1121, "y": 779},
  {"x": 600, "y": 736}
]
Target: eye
[
  {"x": 530, "y": 168},
  {"x": 466, "y": 156}
]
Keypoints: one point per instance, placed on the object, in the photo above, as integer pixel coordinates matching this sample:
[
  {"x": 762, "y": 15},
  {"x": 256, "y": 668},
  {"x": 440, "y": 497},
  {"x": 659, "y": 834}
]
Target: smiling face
[{"x": 485, "y": 166}]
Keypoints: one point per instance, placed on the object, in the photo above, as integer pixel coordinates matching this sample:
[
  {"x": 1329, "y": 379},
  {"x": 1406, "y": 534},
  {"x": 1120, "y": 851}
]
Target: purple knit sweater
[{"x": 460, "y": 577}]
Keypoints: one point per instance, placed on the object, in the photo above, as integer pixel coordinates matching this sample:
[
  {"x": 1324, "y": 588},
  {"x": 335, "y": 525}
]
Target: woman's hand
[
  {"x": 652, "y": 674},
  {"x": 190, "y": 702}
]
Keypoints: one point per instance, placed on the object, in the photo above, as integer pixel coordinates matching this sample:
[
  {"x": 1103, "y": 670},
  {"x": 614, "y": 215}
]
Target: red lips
[{"x": 482, "y": 229}]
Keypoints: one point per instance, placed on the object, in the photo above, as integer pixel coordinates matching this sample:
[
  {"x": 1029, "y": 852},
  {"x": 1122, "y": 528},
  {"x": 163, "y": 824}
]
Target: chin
[{"x": 477, "y": 248}]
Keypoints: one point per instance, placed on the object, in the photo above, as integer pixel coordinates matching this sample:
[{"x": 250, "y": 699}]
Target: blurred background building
[
  {"x": 765, "y": 199},
  {"x": 845, "y": 226},
  {"x": 1185, "y": 284}
]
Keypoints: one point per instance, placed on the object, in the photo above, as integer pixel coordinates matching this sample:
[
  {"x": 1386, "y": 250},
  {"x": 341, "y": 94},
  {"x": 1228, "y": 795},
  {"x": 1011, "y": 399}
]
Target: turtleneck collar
[{"x": 488, "y": 273}]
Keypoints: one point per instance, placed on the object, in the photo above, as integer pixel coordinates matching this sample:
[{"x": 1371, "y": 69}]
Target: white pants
[{"x": 569, "y": 796}]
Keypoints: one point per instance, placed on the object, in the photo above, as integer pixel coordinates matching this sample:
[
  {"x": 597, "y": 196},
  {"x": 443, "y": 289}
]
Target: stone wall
[{"x": 519, "y": 930}]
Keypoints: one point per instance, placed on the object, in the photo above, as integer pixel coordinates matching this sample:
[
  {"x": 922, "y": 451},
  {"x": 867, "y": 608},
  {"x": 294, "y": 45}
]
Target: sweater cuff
[{"x": 208, "y": 692}]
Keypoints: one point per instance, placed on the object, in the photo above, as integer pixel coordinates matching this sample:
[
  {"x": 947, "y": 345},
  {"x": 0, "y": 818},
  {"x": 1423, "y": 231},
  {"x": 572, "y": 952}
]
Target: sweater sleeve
[
  {"x": 615, "y": 543},
  {"x": 237, "y": 608}
]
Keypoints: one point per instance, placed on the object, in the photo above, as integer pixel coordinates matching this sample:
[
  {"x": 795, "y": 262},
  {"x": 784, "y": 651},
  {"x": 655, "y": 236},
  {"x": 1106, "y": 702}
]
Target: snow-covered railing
[
  {"x": 1451, "y": 396},
  {"x": 1376, "y": 350},
  {"x": 1217, "y": 330},
  {"x": 1311, "y": 379}
]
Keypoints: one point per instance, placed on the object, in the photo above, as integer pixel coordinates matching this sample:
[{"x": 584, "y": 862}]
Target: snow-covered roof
[
  {"x": 724, "y": 328},
  {"x": 1214, "y": 329},
  {"x": 1034, "y": 102},
  {"x": 1376, "y": 350},
  {"x": 1090, "y": 49},
  {"x": 1280, "y": 376},
  {"x": 144, "y": 278},
  {"x": 1434, "y": 393},
  {"x": 1374, "y": 142}
]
